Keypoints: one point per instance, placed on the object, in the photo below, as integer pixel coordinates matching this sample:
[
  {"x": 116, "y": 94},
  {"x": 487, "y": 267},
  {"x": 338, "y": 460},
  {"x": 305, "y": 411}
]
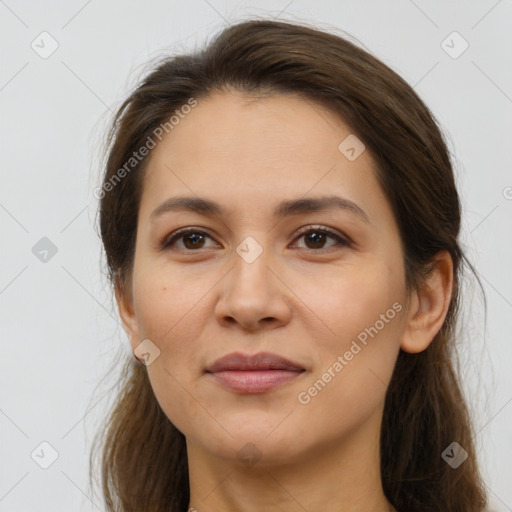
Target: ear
[
  {"x": 429, "y": 306},
  {"x": 127, "y": 314}
]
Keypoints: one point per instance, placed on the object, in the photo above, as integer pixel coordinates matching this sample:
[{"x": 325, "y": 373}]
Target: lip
[{"x": 256, "y": 373}]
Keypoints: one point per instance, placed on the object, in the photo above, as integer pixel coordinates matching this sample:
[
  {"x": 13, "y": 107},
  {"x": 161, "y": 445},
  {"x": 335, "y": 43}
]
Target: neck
[{"x": 332, "y": 476}]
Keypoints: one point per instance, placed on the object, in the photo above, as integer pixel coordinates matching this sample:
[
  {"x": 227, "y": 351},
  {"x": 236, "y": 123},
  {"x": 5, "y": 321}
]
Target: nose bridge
[
  {"x": 250, "y": 264},
  {"x": 251, "y": 292}
]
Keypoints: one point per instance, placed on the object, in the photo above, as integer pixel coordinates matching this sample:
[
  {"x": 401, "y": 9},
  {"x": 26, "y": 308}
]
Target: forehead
[
  {"x": 239, "y": 126},
  {"x": 244, "y": 151}
]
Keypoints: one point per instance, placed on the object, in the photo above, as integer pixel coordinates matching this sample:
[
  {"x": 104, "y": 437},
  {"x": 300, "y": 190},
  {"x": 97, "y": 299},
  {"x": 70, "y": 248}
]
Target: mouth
[{"x": 256, "y": 373}]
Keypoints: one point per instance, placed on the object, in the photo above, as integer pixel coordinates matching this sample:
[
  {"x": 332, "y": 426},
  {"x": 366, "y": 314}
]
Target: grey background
[{"x": 60, "y": 330}]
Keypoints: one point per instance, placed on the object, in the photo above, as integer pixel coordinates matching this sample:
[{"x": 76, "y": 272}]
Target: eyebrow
[{"x": 283, "y": 209}]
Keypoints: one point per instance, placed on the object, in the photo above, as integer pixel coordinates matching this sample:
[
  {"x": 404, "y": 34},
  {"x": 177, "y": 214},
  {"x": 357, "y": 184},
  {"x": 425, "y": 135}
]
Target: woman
[{"x": 280, "y": 221}]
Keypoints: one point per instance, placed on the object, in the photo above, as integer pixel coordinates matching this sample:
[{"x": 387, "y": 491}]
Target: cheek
[
  {"x": 169, "y": 313},
  {"x": 349, "y": 301},
  {"x": 166, "y": 304},
  {"x": 356, "y": 363},
  {"x": 364, "y": 312}
]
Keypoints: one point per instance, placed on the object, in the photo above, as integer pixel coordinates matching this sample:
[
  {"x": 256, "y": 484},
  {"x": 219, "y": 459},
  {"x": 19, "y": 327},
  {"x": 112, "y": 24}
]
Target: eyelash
[{"x": 169, "y": 240}]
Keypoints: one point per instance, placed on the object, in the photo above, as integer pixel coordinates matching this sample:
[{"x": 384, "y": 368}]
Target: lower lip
[{"x": 254, "y": 381}]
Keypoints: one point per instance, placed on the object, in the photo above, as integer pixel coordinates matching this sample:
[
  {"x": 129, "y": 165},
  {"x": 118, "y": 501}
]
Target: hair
[{"x": 143, "y": 455}]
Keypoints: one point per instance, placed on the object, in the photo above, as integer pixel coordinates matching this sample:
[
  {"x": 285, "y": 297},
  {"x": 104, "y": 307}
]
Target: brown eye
[
  {"x": 315, "y": 238},
  {"x": 192, "y": 239}
]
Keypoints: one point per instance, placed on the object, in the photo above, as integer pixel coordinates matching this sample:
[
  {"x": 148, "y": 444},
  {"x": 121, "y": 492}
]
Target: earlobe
[{"x": 429, "y": 305}]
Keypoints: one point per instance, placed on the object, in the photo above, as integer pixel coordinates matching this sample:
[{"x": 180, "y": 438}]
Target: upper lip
[{"x": 260, "y": 361}]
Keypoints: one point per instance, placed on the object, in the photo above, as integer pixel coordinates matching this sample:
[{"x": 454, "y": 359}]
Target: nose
[{"x": 253, "y": 295}]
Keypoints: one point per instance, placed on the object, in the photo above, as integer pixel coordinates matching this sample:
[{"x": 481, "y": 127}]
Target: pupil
[
  {"x": 318, "y": 237},
  {"x": 195, "y": 238}
]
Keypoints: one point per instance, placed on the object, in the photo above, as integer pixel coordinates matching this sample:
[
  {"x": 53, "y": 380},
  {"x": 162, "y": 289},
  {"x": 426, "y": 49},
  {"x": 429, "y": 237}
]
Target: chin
[{"x": 258, "y": 453}]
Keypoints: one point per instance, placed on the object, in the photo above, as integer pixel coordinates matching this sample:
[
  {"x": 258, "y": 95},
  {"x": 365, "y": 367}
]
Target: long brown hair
[{"x": 143, "y": 460}]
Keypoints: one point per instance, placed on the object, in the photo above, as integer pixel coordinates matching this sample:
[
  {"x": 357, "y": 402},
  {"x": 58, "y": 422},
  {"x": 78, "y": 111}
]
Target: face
[{"x": 322, "y": 287}]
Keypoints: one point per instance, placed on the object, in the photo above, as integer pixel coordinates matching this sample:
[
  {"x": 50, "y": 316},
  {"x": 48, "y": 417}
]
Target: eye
[
  {"x": 316, "y": 235},
  {"x": 193, "y": 238}
]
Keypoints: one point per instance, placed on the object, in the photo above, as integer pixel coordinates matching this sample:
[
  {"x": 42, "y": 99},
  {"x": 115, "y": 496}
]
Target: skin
[{"x": 305, "y": 301}]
